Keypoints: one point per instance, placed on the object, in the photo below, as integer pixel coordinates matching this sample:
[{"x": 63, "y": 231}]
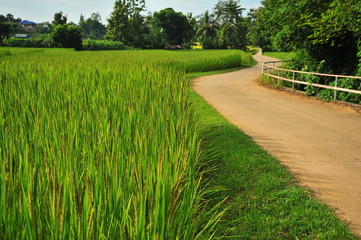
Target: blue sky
[{"x": 43, "y": 10}]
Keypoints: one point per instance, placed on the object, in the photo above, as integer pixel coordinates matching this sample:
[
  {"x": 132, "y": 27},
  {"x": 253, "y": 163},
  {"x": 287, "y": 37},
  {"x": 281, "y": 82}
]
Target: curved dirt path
[{"x": 319, "y": 142}]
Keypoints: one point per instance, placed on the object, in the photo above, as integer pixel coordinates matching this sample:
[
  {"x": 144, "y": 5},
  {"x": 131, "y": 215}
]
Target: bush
[
  {"x": 42, "y": 41},
  {"x": 67, "y": 36},
  {"x": 303, "y": 61},
  {"x": 93, "y": 45},
  {"x": 209, "y": 43},
  {"x": 46, "y": 39}
]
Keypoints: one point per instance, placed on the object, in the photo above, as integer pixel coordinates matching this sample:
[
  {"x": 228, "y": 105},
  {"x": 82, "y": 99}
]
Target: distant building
[
  {"x": 29, "y": 25},
  {"x": 21, "y": 36},
  {"x": 44, "y": 24}
]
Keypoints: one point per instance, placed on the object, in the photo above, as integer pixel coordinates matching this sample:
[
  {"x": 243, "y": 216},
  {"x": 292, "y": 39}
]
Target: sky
[{"x": 43, "y": 10}]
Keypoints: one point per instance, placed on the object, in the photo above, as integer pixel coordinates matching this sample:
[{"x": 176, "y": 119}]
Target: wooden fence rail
[{"x": 269, "y": 68}]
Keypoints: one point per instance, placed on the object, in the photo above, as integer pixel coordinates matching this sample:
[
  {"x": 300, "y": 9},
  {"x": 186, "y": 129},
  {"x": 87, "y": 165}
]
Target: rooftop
[{"x": 27, "y": 22}]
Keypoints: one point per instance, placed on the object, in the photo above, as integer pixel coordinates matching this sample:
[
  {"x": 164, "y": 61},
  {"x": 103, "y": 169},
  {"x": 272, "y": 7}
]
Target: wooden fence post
[{"x": 335, "y": 95}]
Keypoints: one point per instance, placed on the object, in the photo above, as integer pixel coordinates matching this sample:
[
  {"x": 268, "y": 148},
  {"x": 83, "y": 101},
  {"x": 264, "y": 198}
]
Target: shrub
[
  {"x": 39, "y": 42},
  {"x": 67, "y": 36},
  {"x": 102, "y": 45}
]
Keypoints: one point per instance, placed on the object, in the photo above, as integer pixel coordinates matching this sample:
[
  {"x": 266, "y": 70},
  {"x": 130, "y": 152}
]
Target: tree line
[
  {"x": 224, "y": 27},
  {"x": 7, "y": 25}
]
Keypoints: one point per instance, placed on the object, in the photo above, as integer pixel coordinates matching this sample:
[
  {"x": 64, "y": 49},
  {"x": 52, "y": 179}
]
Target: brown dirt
[{"x": 319, "y": 142}]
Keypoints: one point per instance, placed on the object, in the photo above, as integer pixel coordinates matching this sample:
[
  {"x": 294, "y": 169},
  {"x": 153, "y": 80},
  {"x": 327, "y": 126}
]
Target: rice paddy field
[{"x": 103, "y": 145}]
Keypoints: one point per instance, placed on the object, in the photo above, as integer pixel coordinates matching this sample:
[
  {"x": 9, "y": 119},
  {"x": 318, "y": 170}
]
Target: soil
[{"x": 319, "y": 142}]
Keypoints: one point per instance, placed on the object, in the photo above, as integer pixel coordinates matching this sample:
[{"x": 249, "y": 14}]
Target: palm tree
[
  {"x": 229, "y": 11},
  {"x": 207, "y": 25}
]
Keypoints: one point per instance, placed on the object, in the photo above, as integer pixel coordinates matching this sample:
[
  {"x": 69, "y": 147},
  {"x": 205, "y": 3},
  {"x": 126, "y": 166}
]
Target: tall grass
[{"x": 102, "y": 145}]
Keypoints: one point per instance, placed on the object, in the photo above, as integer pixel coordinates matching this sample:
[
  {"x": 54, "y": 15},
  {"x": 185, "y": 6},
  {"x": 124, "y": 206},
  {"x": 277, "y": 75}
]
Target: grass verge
[
  {"x": 283, "y": 56},
  {"x": 271, "y": 82},
  {"x": 200, "y": 74},
  {"x": 263, "y": 200}
]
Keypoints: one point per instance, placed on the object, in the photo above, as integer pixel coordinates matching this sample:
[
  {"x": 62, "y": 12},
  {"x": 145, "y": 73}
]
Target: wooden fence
[{"x": 273, "y": 70}]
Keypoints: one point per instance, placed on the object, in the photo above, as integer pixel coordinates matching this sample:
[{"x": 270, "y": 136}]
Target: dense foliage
[
  {"x": 5, "y": 30},
  {"x": 325, "y": 35},
  {"x": 126, "y": 22},
  {"x": 326, "y": 32},
  {"x": 41, "y": 41},
  {"x": 7, "y": 25},
  {"x": 224, "y": 28},
  {"x": 175, "y": 25},
  {"x": 67, "y": 36},
  {"x": 92, "y": 28},
  {"x": 93, "y": 45}
]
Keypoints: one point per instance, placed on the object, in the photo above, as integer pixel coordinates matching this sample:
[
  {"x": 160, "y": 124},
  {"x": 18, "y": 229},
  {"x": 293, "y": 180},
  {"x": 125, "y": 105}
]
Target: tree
[
  {"x": 9, "y": 18},
  {"x": 176, "y": 26},
  {"x": 155, "y": 38},
  {"x": 92, "y": 27},
  {"x": 81, "y": 19},
  {"x": 232, "y": 30},
  {"x": 193, "y": 23},
  {"x": 2, "y": 18},
  {"x": 67, "y": 36},
  {"x": 207, "y": 25},
  {"x": 118, "y": 23},
  {"x": 325, "y": 31},
  {"x": 5, "y": 30},
  {"x": 229, "y": 36},
  {"x": 41, "y": 29},
  {"x": 337, "y": 33},
  {"x": 8, "y": 24},
  {"x": 229, "y": 11},
  {"x": 126, "y": 22},
  {"x": 96, "y": 17},
  {"x": 59, "y": 19},
  {"x": 207, "y": 30},
  {"x": 254, "y": 37}
]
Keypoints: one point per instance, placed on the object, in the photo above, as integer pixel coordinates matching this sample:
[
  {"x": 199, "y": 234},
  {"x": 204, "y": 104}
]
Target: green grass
[
  {"x": 262, "y": 199},
  {"x": 283, "y": 56},
  {"x": 252, "y": 49},
  {"x": 200, "y": 74}
]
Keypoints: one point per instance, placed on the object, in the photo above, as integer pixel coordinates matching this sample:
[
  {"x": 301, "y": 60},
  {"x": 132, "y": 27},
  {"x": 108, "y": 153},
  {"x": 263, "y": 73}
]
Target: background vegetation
[
  {"x": 223, "y": 28},
  {"x": 326, "y": 34}
]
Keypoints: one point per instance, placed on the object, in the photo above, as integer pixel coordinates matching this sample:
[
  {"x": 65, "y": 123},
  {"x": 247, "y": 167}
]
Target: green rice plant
[{"x": 102, "y": 145}]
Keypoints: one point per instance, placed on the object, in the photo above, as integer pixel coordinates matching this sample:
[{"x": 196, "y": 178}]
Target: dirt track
[{"x": 320, "y": 142}]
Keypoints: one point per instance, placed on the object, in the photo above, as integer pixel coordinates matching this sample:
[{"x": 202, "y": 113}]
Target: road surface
[{"x": 319, "y": 142}]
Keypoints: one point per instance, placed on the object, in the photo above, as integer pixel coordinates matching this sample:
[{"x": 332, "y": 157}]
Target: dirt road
[{"x": 320, "y": 142}]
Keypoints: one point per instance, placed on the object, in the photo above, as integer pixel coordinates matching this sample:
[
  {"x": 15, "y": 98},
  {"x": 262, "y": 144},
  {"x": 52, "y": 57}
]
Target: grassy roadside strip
[
  {"x": 263, "y": 200},
  {"x": 282, "y": 56},
  {"x": 271, "y": 82},
  {"x": 200, "y": 74}
]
